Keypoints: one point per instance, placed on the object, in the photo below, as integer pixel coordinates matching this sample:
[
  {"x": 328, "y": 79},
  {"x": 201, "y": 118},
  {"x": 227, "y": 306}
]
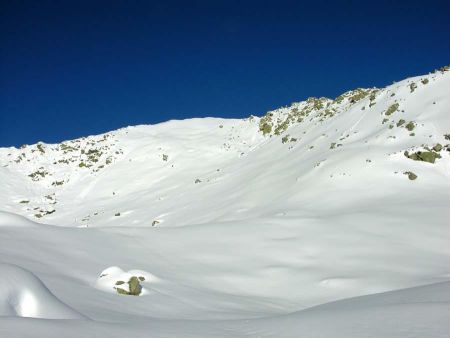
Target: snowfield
[
  {"x": 24, "y": 295},
  {"x": 327, "y": 218}
]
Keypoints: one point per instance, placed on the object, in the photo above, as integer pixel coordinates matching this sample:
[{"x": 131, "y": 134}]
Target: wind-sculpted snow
[
  {"x": 10, "y": 219},
  {"x": 215, "y": 223},
  {"x": 413, "y": 313},
  {"x": 22, "y": 294}
]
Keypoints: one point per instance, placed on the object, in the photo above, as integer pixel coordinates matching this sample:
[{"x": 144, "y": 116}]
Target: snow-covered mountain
[{"x": 217, "y": 222}]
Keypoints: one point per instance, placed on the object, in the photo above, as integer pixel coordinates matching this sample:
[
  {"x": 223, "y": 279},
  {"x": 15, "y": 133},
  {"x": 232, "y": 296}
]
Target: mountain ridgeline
[{"x": 201, "y": 170}]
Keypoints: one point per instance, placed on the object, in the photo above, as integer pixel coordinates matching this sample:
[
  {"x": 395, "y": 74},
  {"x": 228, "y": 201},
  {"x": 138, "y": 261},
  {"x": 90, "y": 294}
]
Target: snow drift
[
  {"x": 283, "y": 217},
  {"x": 24, "y": 295}
]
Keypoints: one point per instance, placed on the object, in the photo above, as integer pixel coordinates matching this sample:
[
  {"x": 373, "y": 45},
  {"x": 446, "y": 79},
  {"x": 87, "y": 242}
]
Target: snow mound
[
  {"x": 264, "y": 218},
  {"x": 22, "y": 294},
  {"x": 115, "y": 280},
  {"x": 11, "y": 219},
  {"x": 408, "y": 313},
  {"x": 414, "y": 312}
]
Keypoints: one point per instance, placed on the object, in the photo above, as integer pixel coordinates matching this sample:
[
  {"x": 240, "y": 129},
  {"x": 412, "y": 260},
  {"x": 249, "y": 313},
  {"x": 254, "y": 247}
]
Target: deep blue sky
[{"x": 74, "y": 68}]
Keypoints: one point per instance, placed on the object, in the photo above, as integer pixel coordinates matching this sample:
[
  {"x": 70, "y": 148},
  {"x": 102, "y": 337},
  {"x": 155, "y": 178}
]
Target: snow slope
[
  {"x": 417, "y": 312},
  {"x": 24, "y": 295},
  {"x": 228, "y": 221}
]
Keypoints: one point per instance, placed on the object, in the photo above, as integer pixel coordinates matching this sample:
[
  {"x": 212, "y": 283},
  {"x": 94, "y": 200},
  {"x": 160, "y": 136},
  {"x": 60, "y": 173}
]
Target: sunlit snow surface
[
  {"x": 236, "y": 233},
  {"x": 24, "y": 295}
]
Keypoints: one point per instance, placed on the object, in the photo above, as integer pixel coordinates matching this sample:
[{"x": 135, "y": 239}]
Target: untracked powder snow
[{"x": 326, "y": 218}]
